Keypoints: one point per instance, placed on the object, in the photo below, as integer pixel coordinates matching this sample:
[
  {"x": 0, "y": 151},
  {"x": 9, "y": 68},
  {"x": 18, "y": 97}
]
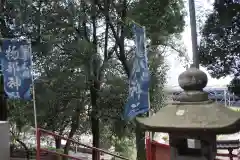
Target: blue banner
[
  {"x": 16, "y": 66},
  {"x": 138, "y": 100}
]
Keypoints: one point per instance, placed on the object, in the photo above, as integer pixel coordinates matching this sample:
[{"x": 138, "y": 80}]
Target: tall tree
[
  {"x": 85, "y": 39},
  {"x": 58, "y": 57},
  {"x": 161, "y": 18},
  {"x": 113, "y": 96},
  {"x": 219, "y": 49}
]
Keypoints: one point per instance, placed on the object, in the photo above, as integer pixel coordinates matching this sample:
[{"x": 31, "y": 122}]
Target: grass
[{"x": 235, "y": 108}]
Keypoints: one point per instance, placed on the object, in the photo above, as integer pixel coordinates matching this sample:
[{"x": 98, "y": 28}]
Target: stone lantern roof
[{"x": 193, "y": 111}]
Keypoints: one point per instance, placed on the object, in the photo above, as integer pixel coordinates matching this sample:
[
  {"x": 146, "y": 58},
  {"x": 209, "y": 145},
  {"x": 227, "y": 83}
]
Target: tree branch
[
  {"x": 109, "y": 22},
  {"x": 181, "y": 54}
]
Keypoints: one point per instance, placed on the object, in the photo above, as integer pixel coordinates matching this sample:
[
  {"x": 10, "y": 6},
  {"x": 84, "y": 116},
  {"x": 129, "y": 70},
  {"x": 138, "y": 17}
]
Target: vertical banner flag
[
  {"x": 138, "y": 101},
  {"x": 16, "y": 66}
]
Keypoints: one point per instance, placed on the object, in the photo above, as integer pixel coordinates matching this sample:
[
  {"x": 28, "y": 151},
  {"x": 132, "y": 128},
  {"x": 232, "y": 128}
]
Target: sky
[{"x": 177, "y": 68}]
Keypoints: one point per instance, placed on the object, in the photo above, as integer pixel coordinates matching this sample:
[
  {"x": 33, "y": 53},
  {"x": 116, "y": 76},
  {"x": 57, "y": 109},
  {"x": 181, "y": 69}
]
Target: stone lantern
[{"x": 193, "y": 121}]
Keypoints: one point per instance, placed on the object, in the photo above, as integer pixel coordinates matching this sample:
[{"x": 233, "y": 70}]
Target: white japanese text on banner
[
  {"x": 16, "y": 66},
  {"x": 138, "y": 101}
]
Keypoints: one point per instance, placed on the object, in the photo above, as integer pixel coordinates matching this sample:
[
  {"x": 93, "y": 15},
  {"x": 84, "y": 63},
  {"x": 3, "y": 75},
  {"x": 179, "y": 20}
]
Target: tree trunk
[
  {"x": 22, "y": 144},
  {"x": 4, "y": 33},
  {"x": 25, "y": 148},
  {"x": 95, "y": 120},
  {"x": 94, "y": 88},
  {"x": 58, "y": 146},
  {"x": 67, "y": 146},
  {"x": 74, "y": 127},
  {"x": 57, "y": 143},
  {"x": 140, "y": 143},
  {"x": 96, "y": 137},
  {"x": 3, "y": 102}
]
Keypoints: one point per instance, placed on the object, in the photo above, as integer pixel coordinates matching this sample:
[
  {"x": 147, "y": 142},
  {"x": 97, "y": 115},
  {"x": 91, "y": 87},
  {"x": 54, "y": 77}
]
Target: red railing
[
  {"x": 154, "y": 148},
  {"x": 228, "y": 145},
  {"x": 41, "y": 132}
]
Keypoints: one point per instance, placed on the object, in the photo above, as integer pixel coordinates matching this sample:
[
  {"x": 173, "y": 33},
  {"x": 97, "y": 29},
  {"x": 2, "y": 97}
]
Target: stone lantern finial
[{"x": 192, "y": 81}]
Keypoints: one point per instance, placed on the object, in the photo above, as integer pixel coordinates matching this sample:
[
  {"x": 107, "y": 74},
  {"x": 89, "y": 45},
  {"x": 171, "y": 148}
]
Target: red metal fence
[
  {"x": 155, "y": 150},
  {"x": 41, "y": 132}
]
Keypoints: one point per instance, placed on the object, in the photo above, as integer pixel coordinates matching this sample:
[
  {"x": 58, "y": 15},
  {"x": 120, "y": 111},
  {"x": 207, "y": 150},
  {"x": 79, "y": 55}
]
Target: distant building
[{"x": 217, "y": 93}]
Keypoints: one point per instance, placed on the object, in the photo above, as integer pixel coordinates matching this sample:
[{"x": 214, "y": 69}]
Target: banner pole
[
  {"x": 34, "y": 105},
  {"x": 37, "y": 132},
  {"x": 148, "y": 135},
  {"x": 33, "y": 94},
  {"x": 149, "y": 103}
]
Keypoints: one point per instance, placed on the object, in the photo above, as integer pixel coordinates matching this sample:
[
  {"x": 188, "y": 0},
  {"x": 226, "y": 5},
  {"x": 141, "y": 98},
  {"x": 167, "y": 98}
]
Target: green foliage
[
  {"x": 68, "y": 60},
  {"x": 55, "y": 150},
  {"x": 235, "y": 109},
  {"x": 18, "y": 113},
  {"x": 158, "y": 70},
  {"x": 161, "y": 18},
  {"x": 124, "y": 146},
  {"x": 219, "y": 49},
  {"x": 234, "y": 86}
]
